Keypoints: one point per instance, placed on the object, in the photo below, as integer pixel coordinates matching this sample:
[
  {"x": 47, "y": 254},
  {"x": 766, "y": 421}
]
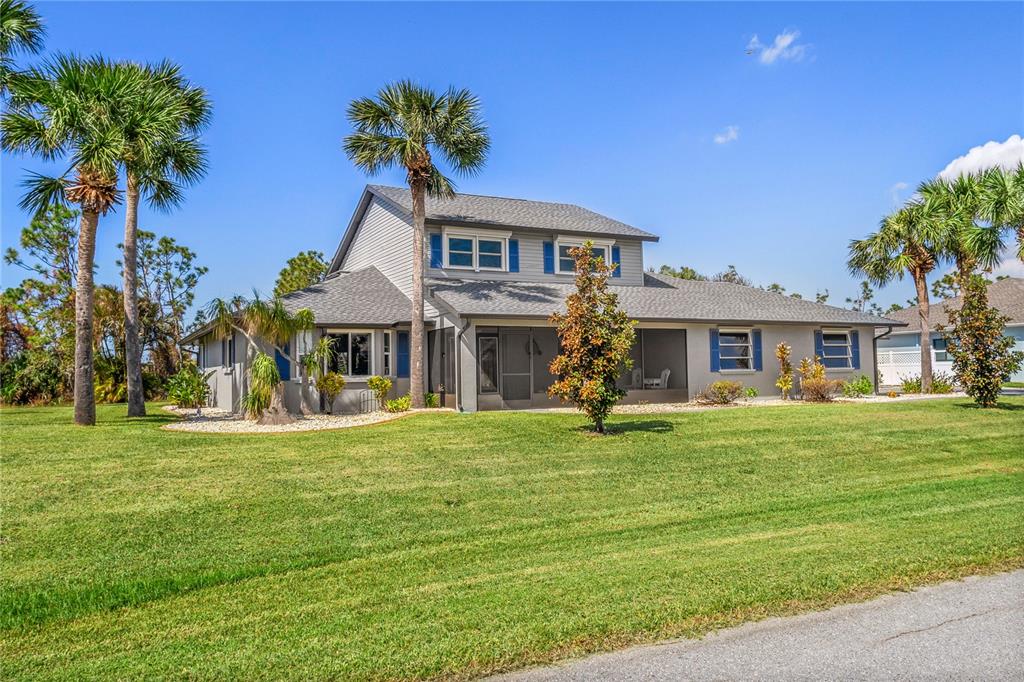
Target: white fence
[{"x": 894, "y": 364}]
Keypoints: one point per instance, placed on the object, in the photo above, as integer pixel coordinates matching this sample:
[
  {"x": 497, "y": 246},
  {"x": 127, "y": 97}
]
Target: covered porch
[{"x": 512, "y": 367}]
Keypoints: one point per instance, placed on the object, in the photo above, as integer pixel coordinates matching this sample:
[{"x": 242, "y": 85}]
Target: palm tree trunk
[
  {"x": 132, "y": 347},
  {"x": 85, "y": 397},
  {"x": 419, "y": 214},
  {"x": 921, "y": 284}
]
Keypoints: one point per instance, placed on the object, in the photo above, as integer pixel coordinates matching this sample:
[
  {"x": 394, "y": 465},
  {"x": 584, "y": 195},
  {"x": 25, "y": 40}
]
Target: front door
[{"x": 516, "y": 367}]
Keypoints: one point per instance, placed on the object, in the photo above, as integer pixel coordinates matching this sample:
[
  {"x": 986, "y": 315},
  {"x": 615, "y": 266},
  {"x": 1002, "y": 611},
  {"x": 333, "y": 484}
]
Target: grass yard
[{"x": 455, "y": 545}]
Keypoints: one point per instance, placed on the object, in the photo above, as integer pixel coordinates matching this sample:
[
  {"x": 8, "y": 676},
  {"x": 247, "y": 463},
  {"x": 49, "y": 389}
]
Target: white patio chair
[{"x": 660, "y": 382}]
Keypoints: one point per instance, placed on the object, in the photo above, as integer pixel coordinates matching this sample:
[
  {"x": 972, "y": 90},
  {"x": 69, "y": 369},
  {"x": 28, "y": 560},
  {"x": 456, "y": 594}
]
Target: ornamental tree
[
  {"x": 983, "y": 358},
  {"x": 594, "y": 341}
]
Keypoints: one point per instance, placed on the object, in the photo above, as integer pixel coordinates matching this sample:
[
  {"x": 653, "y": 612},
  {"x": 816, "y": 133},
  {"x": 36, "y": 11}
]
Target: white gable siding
[
  {"x": 383, "y": 239},
  {"x": 531, "y": 262}
]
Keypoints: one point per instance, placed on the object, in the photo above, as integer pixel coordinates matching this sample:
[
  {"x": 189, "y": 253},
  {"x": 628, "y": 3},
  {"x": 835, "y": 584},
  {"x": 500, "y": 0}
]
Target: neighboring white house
[
  {"x": 497, "y": 269},
  {"x": 899, "y": 353}
]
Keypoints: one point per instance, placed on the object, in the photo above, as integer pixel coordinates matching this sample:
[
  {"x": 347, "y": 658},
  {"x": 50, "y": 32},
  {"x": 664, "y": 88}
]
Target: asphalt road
[{"x": 966, "y": 630}]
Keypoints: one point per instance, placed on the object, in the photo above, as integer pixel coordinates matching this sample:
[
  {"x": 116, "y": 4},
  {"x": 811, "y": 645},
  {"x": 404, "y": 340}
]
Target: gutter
[{"x": 874, "y": 351}]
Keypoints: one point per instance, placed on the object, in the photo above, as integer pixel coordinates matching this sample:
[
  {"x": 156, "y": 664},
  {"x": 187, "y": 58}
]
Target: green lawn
[{"x": 455, "y": 545}]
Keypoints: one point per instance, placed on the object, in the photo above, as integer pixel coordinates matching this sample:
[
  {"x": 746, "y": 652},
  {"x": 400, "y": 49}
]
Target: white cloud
[
  {"x": 989, "y": 155},
  {"x": 895, "y": 191},
  {"x": 730, "y": 134},
  {"x": 1011, "y": 265},
  {"x": 784, "y": 47}
]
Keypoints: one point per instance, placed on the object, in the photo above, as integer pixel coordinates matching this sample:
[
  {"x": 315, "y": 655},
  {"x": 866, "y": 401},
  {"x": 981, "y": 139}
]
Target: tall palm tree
[
  {"x": 156, "y": 169},
  {"x": 906, "y": 243},
  {"x": 956, "y": 211},
  {"x": 72, "y": 109},
  {"x": 1002, "y": 205},
  {"x": 401, "y": 128},
  {"x": 21, "y": 32}
]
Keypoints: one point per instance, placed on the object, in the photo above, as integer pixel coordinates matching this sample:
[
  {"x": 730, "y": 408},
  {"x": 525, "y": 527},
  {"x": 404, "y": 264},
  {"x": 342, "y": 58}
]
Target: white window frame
[
  {"x": 475, "y": 236},
  {"x": 373, "y": 355},
  {"x": 849, "y": 350},
  {"x": 577, "y": 242},
  {"x": 387, "y": 359},
  {"x": 749, "y": 331}
]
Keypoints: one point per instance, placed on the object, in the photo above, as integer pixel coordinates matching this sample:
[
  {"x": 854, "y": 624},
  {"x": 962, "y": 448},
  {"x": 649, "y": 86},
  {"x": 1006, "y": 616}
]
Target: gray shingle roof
[
  {"x": 539, "y": 215},
  {"x": 1005, "y": 295},
  {"x": 363, "y": 297},
  {"x": 661, "y": 298}
]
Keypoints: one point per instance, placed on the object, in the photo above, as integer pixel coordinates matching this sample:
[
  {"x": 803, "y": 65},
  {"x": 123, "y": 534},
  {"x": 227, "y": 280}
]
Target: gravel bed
[{"x": 215, "y": 420}]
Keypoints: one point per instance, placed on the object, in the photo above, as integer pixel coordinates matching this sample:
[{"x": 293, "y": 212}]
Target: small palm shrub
[
  {"x": 400, "y": 404},
  {"x": 815, "y": 387},
  {"x": 432, "y": 400},
  {"x": 720, "y": 393},
  {"x": 859, "y": 387},
  {"x": 750, "y": 392},
  {"x": 188, "y": 388},
  {"x": 943, "y": 382},
  {"x": 330, "y": 385},
  {"x": 263, "y": 379},
  {"x": 381, "y": 386}
]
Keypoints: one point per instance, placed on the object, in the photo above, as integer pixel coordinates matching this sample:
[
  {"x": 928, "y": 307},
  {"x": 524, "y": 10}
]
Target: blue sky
[{"x": 623, "y": 108}]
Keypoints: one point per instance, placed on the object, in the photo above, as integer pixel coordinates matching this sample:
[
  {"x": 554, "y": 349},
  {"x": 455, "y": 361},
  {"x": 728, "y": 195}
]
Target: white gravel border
[{"x": 216, "y": 420}]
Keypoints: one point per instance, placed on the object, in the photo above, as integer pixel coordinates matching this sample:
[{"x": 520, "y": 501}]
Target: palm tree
[
  {"x": 21, "y": 31},
  {"x": 156, "y": 168},
  {"x": 74, "y": 108},
  {"x": 401, "y": 128},
  {"x": 956, "y": 211},
  {"x": 906, "y": 243},
  {"x": 1002, "y": 204},
  {"x": 268, "y": 321}
]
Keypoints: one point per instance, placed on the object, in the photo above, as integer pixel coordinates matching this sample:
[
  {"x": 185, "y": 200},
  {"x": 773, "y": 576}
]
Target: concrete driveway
[{"x": 966, "y": 630}]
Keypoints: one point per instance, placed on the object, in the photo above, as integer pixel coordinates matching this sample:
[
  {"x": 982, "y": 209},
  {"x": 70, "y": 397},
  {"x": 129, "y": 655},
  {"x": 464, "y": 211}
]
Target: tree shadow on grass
[
  {"x": 640, "y": 425},
  {"x": 1010, "y": 407}
]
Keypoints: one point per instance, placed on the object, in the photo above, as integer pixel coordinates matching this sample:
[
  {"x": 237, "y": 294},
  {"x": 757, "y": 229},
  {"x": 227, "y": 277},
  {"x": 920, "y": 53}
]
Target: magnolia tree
[
  {"x": 983, "y": 358},
  {"x": 594, "y": 341}
]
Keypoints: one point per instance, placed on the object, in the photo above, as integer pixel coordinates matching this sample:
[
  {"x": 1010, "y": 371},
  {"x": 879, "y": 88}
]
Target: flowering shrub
[
  {"x": 785, "y": 380},
  {"x": 330, "y": 385},
  {"x": 381, "y": 386}
]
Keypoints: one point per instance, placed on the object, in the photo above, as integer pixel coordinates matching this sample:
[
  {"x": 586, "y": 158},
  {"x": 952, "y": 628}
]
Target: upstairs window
[
  {"x": 566, "y": 263},
  {"x": 470, "y": 251}
]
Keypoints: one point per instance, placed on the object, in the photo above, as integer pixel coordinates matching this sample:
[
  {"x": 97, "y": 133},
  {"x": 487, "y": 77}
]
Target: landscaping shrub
[
  {"x": 943, "y": 382},
  {"x": 330, "y": 385},
  {"x": 188, "y": 388},
  {"x": 263, "y": 380},
  {"x": 400, "y": 404},
  {"x": 431, "y": 400},
  {"x": 815, "y": 387},
  {"x": 380, "y": 386},
  {"x": 750, "y": 392},
  {"x": 721, "y": 393},
  {"x": 859, "y": 387},
  {"x": 911, "y": 383},
  {"x": 785, "y": 381}
]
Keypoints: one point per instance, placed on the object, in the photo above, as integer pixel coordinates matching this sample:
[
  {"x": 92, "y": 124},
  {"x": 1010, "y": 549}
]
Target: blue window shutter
[
  {"x": 284, "y": 365},
  {"x": 716, "y": 361},
  {"x": 403, "y": 354},
  {"x": 549, "y": 258},
  {"x": 617, "y": 260},
  {"x": 513, "y": 255},
  {"x": 436, "y": 260},
  {"x": 758, "y": 356},
  {"x": 819, "y": 344},
  {"x": 855, "y": 349}
]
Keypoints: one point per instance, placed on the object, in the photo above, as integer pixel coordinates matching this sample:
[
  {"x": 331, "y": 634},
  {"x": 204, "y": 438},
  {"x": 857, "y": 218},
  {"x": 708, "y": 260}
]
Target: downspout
[{"x": 874, "y": 351}]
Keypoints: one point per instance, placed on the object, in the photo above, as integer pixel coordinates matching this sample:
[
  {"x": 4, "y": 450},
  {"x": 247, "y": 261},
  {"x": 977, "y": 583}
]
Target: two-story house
[{"x": 497, "y": 269}]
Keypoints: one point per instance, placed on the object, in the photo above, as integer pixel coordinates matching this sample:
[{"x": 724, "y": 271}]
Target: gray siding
[
  {"x": 531, "y": 262},
  {"x": 384, "y": 240}
]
